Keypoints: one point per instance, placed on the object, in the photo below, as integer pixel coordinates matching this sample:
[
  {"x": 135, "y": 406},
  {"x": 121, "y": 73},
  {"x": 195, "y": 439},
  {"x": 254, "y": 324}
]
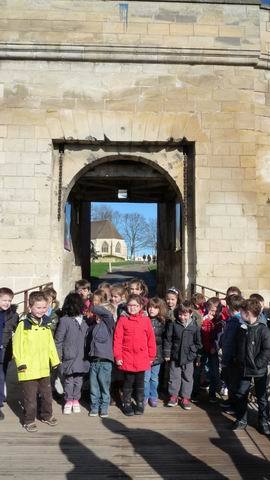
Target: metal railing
[
  {"x": 25, "y": 294},
  {"x": 197, "y": 288}
]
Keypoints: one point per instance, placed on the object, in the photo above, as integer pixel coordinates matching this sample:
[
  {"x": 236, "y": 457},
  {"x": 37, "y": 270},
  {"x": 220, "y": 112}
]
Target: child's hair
[
  {"x": 36, "y": 296},
  {"x": 175, "y": 291},
  {"x": 139, "y": 282},
  {"x": 157, "y": 302},
  {"x": 50, "y": 292},
  {"x": 136, "y": 298},
  {"x": 234, "y": 303},
  {"x": 212, "y": 302},
  {"x": 6, "y": 291},
  {"x": 118, "y": 288},
  {"x": 251, "y": 305},
  {"x": 197, "y": 298},
  {"x": 104, "y": 285},
  {"x": 256, "y": 296},
  {"x": 73, "y": 305},
  {"x": 101, "y": 294},
  {"x": 82, "y": 284},
  {"x": 233, "y": 291},
  {"x": 184, "y": 307}
]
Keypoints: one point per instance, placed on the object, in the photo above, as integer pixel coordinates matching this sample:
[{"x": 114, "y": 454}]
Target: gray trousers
[
  {"x": 72, "y": 386},
  {"x": 181, "y": 380}
]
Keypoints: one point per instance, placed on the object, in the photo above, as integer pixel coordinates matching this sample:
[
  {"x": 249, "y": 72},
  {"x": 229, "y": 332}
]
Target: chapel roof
[{"x": 104, "y": 229}]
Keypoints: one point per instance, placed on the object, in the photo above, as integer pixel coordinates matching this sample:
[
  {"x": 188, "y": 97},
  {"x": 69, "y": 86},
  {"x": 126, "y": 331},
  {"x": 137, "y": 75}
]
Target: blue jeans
[
  {"x": 100, "y": 380},
  {"x": 211, "y": 362},
  {"x": 2, "y": 384},
  {"x": 151, "y": 382}
]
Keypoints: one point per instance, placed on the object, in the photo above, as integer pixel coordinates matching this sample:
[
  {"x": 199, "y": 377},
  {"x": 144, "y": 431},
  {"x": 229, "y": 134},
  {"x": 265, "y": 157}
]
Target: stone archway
[{"x": 163, "y": 174}]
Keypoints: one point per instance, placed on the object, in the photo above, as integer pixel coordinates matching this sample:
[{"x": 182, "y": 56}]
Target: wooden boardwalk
[{"x": 165, "y": 443}]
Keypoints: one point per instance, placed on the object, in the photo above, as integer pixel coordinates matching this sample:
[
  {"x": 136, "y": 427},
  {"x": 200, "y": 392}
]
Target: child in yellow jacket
[{"x": 35, "y": 354}]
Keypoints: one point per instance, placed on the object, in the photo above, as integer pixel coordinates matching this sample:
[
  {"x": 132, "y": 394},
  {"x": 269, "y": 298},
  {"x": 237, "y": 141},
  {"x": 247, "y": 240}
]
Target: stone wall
[{"x": 140, "y": 71}]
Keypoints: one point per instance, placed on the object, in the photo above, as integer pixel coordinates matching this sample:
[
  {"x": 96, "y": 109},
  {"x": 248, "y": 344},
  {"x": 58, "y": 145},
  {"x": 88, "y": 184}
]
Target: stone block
[
  {"x": 206, "y": 30},
  {"x": 158, "y": 29},
  {"x": 13, "y": 182},
  {"x": 181, "y": 29},
  {"x": 8, "y": 169},
  {"x": 203, "y": 245},
  {"x": 231, "y": 185},
  {"x": 213, "y": 234},
  {"x": 13, "y": 145},
  {"x": 234, "y": 233},
  {"x": 3, "y": 131},
  {"x": 30, "y": 145},
  {"x": 221, "y": 173},
  {"x": 227, "y": 270},
  {"x": 25, "y": 170},
  {"x": 220, "y": 221},
  {"x": 231, "y": 31},
  {"x": 215, "y": 209}
]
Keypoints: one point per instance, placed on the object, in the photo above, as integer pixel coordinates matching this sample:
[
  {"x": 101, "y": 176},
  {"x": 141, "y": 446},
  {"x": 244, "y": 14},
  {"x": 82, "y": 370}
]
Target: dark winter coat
[
  {"x": 11, "y": 320},
  {"x": 100, "y": 335},
  {"x": 181, "y": 342},
  {"x": 253, "y": 349},
  {"x": 159, "y": 329},
  {"x": 70, "y": 343},
  {"x": 228, "y": 339}
]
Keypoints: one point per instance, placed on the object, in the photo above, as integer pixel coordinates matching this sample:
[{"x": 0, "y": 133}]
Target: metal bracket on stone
[{"x": 60, "y": 180}]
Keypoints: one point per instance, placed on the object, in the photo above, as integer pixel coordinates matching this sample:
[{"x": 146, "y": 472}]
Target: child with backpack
[{"x": 70, "y": 343}]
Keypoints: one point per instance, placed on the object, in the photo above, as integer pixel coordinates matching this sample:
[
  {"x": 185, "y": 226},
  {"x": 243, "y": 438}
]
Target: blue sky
[{"x": 148, "y": 210}]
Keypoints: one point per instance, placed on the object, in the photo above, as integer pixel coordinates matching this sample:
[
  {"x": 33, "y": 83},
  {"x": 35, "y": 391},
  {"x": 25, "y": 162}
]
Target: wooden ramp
[{"x": 165, "y": 443}]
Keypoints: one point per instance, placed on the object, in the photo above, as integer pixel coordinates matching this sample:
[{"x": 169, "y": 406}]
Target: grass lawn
[{"x": 98, "y": 269}]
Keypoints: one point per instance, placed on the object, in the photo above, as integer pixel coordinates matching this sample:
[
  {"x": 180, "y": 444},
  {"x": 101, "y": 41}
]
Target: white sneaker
[
  {"x": 68, "y": 408},
  {"x": 76, "y": 406}
]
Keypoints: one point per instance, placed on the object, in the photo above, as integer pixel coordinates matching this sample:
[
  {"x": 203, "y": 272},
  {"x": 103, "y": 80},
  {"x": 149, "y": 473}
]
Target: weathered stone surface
[{"x": 180, "y": 69}]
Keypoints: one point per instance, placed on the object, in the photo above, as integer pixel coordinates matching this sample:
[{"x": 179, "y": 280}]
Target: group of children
[{"x": 134, "y": 348}]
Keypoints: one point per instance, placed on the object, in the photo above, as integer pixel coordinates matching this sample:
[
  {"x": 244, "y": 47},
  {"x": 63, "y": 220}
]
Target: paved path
[
  {"x": 165, "y": 443},
  {"x": 126, "y": 272}
]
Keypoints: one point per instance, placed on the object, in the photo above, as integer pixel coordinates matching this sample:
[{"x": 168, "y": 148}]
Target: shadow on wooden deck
[{"x": 164, "y": 443}]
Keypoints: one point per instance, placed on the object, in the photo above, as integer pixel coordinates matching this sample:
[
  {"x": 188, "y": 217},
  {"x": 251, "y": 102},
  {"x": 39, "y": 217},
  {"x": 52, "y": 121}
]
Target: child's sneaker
[
  {"x": 51, "y": 421},
  {"x": 30, "y": 427},
  {"x": 173, "y": 402},
  {"x": 185, "y": 404},
  {"x": 153, "y": 402},
  {"x": 76, "y": 407},
  {"x": 68, "y": 408},
  {"x": 93, "y": 413},
  {"x": 104, "y": 414}
]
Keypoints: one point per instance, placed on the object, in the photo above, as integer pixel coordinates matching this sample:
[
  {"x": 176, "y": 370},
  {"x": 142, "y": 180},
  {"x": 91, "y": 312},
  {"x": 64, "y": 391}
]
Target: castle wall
[{"x": 140, "y": 71}]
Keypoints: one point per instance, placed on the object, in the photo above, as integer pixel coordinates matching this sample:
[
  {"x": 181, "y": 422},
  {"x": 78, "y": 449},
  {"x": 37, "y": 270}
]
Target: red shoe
[
  {"x": 185, "y": 404},
  {"x": 173, "y": 402}
]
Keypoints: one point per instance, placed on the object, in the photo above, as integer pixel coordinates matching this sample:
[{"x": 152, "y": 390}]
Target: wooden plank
[{"x": 164, "y": 443}]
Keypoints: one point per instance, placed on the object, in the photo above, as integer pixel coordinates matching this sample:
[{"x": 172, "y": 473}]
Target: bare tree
[
  {"x": 134, "y": 229},
  {"x": 151, "y": 235},
  {"x": 105, "y": 212}
]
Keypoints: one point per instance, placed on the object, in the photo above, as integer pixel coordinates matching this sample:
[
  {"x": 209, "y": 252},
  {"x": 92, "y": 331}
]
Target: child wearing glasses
[{"x": 134, "y": 352}]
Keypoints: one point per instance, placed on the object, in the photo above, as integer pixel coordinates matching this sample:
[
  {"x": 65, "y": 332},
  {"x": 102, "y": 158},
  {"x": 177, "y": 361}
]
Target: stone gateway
[{"x": 171, "y": 98}]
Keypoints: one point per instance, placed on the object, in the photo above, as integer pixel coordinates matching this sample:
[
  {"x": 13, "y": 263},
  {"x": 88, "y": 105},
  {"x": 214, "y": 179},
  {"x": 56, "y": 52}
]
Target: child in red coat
[
  {"x": 211, "y": 329},
  {"x": 134, "y": 351}
]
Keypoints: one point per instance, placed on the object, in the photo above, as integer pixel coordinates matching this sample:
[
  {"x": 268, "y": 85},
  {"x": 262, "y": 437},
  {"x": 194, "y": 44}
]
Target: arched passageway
[{"x": 152, "y": 175}]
